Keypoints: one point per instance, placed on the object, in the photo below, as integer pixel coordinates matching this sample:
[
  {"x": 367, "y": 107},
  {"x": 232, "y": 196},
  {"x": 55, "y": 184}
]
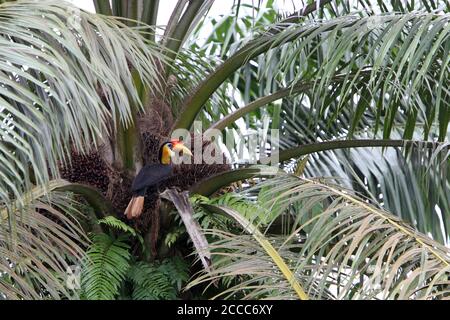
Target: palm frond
[
  {"x": 65, "y": 82},
  {"x": 184, "y": 208},
  {"x": 39, "y": 243},
  {"x": 338, "y": 246},
  {"x": 411, "y": 184},
  {"x": 406, "y": 75},
  {"x": 268, "y": 248}
]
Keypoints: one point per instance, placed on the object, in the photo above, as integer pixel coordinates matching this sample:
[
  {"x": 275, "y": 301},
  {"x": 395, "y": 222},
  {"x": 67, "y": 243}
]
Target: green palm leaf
[
  {"x": 39, "y": 242},
  {"x": 66, "y": 82},
  {"x": 338, "y": 246}
]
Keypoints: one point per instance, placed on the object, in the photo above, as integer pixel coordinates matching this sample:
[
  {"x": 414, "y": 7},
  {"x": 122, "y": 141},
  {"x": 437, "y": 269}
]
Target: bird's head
[{"x": 170, "y": 148}]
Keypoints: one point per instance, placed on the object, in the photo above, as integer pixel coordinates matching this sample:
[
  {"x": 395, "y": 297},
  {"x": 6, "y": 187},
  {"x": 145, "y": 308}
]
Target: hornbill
[{"x": 152, "y": 174}]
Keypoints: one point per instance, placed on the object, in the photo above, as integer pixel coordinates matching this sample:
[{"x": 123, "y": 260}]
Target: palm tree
[{"x": 356, "y": 209}]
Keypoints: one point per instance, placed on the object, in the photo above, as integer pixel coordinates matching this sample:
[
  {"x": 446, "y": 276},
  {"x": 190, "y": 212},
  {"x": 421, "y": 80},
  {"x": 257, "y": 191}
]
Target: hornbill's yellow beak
[{"x": 179, "y": 146}]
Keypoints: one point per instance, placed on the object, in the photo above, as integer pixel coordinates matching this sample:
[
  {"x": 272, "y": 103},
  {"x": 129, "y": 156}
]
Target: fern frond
[
  {"x": 173, "y": 235},
  {"x": 106, "y": 264},
  {"x": 115, "y": 223},
  {"x": 176, "y": 269},
  {"x": 253, "y": 211},
  {"x": 150, "y": 283}
]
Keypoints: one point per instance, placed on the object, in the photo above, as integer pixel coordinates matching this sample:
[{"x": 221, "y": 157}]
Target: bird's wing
[{"x": 151, "y": 175}]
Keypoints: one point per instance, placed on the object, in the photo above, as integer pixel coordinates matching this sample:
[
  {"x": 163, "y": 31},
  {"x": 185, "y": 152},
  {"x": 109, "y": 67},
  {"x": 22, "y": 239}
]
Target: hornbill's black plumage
[{"x": 150, "y": 176}]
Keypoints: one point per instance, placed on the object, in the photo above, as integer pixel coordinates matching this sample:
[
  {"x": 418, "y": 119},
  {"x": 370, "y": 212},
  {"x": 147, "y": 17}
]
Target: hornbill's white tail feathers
[{"x": 134, "y": 208}]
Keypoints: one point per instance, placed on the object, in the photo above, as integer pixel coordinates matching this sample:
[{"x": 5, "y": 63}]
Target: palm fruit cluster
[{"x": 88, "y": 169}]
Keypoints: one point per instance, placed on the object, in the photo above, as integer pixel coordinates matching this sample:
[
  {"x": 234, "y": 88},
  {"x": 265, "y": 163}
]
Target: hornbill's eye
[{"x": 170, "y": 146}]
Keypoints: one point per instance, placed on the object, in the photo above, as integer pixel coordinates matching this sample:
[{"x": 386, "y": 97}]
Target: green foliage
[
  {"x": 109, "y": 273},
  {"x": 348, "y": 69},
  {"x": 174, "y": 234},
  {"x": 149, "y": 283},
  {"x": 38, "y": 241},
  {"x": 106, "y": 264},
  {"x": 254, "y": 211},
  {"x": 177, "y": 270},
  {"x": 351, "y": 250},
  {"x": 51, "y": 70},
  {"x": 120, "y": 225},
  {"x": 158, "y": 281},
  {"x": 205, "y": 219}
]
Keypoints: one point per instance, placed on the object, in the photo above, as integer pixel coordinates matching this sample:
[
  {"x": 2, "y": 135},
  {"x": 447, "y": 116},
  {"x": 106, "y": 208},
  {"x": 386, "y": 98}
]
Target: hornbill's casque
[{"x": 151, "y": 175}]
